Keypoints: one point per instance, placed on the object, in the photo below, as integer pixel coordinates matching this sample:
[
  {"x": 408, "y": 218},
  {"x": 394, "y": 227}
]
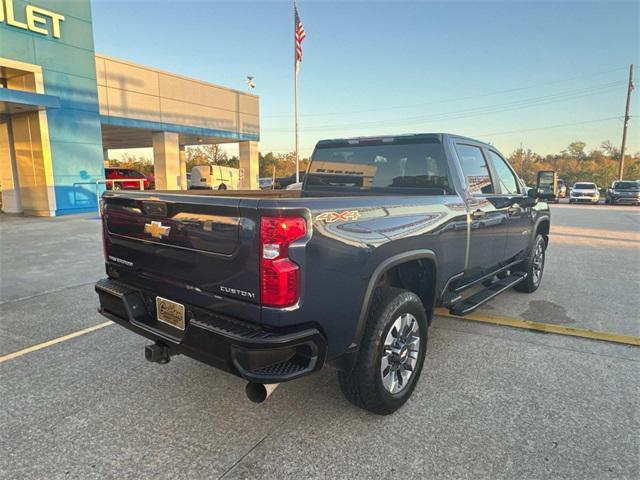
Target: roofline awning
[{"x": 18, "y": 101}]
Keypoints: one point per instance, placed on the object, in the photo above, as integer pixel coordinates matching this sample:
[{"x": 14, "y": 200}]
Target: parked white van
[{"x": 214, "y": 177}]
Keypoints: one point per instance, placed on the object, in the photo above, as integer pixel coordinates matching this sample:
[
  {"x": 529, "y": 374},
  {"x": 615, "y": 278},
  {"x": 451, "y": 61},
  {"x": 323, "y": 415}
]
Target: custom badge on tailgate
[{"x": 330, "y": 217}]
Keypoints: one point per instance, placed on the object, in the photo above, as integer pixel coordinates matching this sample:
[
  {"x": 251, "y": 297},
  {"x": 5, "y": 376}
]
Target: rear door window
[
  {"x": 475, "y": 169},
  {"x": 506, "y": 177}
]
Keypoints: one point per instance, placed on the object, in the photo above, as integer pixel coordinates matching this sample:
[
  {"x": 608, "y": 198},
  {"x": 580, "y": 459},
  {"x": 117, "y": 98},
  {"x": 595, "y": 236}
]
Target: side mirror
[{"x": 547, "y": 185}]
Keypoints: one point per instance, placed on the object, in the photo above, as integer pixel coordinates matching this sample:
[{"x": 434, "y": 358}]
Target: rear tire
[
  {"x": 534, "y": 267},
  {"x": 391, "y": 353}
]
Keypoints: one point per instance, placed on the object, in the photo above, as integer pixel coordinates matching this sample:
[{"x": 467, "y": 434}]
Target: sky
[{"x": 542, "y": 73}]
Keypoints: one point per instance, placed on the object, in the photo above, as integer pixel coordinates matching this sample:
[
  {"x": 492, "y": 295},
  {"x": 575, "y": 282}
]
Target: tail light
[{"x": 279, "y": 276}]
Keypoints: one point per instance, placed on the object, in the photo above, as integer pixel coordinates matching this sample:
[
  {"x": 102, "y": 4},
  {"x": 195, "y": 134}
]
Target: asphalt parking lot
[{"x": 493, "y": 402}]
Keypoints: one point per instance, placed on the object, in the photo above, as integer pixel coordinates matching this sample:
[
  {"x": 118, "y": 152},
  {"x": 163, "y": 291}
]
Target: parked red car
[{"x": 126, "y": 173}]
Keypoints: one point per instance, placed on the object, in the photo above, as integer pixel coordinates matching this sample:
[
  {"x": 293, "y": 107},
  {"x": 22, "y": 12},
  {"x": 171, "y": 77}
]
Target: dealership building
[{"x": 62, "y": 107}]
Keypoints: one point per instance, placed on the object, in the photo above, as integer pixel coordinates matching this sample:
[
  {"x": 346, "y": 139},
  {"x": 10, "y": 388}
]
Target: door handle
[
  {"x": 478, "y": 214},
  {"x": 514, "y": 209}
]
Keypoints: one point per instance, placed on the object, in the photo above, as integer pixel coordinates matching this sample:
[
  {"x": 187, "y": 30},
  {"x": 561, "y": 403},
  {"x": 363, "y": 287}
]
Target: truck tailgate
[{"x": 183, "y": 244}]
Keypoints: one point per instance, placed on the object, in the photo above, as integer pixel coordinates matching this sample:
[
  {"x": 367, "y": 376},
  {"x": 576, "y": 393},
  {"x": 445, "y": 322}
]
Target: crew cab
[{"x": 273, "y": 285}]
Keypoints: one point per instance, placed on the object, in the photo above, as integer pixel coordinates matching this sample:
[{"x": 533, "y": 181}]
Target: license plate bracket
[{"x": 170, "y": 312}]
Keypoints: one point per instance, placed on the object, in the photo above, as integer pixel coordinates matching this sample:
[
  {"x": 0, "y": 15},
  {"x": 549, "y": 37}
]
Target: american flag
[{"x": 299, "y": 36}]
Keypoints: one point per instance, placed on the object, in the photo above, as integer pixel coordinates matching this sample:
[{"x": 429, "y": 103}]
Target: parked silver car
[{"x": 584, "y": 192}]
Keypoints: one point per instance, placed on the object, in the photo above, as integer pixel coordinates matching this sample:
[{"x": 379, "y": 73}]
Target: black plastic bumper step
[
  {"x": 286, "y": 368},
  {"x": 248, "y": 350},
  {"x": 469, "y": 304}
]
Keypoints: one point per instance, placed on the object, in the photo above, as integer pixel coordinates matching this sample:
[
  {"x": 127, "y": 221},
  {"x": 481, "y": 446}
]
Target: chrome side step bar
[{"x": 468, "y": 305}]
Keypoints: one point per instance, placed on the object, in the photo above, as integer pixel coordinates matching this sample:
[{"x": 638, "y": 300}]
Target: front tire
[
  {"x": 534, "y": 267},
  {"x": 391, "y": 353}
]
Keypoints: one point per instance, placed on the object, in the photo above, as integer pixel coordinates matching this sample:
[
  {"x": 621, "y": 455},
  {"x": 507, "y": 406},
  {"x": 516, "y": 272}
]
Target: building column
[
  {"x": 9, "y": 171},
  {"x": 34, "y": 163},
  {"x": 249, "y": 165},
  {"x": 166, "y": 160},
  {"x": 183, "y": 169},
  {"x": 105, "y": 157}
]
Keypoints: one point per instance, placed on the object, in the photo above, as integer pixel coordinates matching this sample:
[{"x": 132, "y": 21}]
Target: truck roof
[{"x": 440, "y": 136}]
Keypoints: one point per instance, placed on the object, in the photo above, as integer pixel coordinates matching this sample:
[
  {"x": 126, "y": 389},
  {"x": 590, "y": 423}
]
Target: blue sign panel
[{"x": 57, "y": 35}]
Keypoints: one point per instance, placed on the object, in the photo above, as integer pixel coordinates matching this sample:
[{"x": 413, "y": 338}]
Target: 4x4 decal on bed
[{"x": 330, "y": 217}]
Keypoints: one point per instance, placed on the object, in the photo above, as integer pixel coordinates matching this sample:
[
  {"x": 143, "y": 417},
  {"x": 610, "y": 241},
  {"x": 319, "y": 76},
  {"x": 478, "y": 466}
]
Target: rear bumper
[{"x": 240, "y": 348}]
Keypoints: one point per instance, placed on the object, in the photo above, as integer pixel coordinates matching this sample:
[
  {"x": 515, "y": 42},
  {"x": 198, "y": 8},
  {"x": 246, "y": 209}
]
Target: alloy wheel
[
  {"x": 538, "y": 263},
  {"x": 400, "y": 353}
]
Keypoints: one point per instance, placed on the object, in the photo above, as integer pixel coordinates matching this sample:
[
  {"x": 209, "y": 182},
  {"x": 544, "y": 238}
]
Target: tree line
[
  {"x": 282, "y": 164},
  {"x": 573, "y": 164}
]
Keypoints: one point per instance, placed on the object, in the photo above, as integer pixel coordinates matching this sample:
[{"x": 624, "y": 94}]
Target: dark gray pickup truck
[{"x": 271, "y": 286}]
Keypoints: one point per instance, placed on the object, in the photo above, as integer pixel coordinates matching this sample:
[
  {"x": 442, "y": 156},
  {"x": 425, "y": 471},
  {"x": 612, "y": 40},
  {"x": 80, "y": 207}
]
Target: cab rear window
[{"x": 396, "y": 164}]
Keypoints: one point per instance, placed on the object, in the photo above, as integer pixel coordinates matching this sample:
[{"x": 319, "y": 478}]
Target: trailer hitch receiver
[{"x": 157, "y": 353}]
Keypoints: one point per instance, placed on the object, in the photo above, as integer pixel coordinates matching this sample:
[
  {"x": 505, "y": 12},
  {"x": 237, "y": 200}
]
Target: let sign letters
[{"x": 37, "y": 19}]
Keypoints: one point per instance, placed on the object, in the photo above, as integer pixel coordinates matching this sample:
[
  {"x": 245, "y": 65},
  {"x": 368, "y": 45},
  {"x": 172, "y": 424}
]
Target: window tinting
[
  {"x": 508, "y": 181},
  {"x": 381, "y": 165},
  {"x": 585, "y": 186},
  {"x": 475, "y": 169}
]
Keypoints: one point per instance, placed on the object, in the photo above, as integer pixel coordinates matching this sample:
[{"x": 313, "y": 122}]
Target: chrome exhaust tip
[{"x": 259, "y": 392}]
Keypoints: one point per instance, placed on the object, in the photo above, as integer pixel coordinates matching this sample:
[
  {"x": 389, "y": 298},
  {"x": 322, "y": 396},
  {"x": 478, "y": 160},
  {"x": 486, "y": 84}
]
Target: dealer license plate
[{"x": 170, "y": 312}]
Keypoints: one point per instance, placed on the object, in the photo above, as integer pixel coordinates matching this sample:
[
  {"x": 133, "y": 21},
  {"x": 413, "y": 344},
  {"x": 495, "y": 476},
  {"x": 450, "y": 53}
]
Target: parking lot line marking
[
  {"x": 544, "y": 327},
  {"x": 49, "y": 343}
]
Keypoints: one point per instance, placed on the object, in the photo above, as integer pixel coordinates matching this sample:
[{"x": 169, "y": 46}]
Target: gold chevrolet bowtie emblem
[{"x": 156, "y": 229}]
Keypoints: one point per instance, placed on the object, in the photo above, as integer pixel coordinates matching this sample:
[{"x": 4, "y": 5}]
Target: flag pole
[{"x": 295, "y": 92}]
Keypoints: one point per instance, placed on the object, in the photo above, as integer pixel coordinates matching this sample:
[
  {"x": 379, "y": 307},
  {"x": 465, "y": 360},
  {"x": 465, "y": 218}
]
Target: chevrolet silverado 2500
[{"x": 273, "y": 285}]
